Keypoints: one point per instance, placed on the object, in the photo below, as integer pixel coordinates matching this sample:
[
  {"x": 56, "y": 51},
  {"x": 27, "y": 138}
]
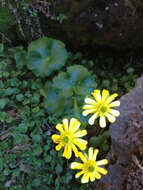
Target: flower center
[
  {"x": 66, "y": 139},
  {"x": 103, "y": 109},
  {"x": 91, "y": 168}
]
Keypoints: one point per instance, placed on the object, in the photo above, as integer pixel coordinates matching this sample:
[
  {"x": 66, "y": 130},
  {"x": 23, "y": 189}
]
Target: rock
[
  {"x": 125, "y": 171},
  {"x": 101, "y": 23}
]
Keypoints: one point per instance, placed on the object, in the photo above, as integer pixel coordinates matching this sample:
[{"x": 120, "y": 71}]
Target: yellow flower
[
  {"x": 90, "y": 168},
  {"x": 101, "y": 106},
  {"x": 69, "y": 137}
]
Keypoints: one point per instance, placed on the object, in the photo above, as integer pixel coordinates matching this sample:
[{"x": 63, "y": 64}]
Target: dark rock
[
  {"x": 100, "y": 23},
  {"x": 125, "y": 171}
]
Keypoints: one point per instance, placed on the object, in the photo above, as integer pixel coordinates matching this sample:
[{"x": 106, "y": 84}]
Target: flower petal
[
  {"x": 85, "y": 178},
  {"x": 69, "y": 152},
  {"x": 86, "y": 107},
  {"x": 59, "y": 146},
  {"x": 76, "y": 165},
  {"x": 102, "y": 121},
  {"x": 92, "y": 177},
  {"x": 82, "y": 157},
  {"x": 102, "y": 162},
  {"x": 80, "y": 133},
  {"x": 114, "y": 112},
  {"x": 65, "y": 123},
  {"x": 97, "y": 175},
  {"x": 105, "y": 94},
  {"x": 86, "y": 112},
  {"x": 92, "y": 118},
  {"x": 115, "y": 103},
  {"x": 101, "y": 170},
  {"x": 65, "y": 151},
  {"x": 75, "y": 150},
  {"x": 111, "y": 118},
  {"x": 90, "y": 153},
  {"x": 79, "y": 174},
  {"x": 56, "y": 138},
  {"x": 90, "y": 101},
  {"x": 95, "y": 154},
  {"x": 81, "y": 143},
  {"x": 112, "y": 97},
  {"x": 74, "y": 125},
  {"x": 59, "y": 127},
  {"x": 96, "y": 94}
]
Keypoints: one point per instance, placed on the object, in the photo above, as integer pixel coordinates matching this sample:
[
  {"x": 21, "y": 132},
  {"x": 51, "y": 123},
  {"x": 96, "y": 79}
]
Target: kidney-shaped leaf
[
  {"x": 46, "y": 55},
  {"x": 77, "y": 80}
]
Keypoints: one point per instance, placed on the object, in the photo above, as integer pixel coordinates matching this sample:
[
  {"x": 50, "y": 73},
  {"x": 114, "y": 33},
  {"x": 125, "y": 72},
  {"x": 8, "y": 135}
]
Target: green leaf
[
  {"x": 63, "y": 83},
  {"x": 1, "y": 48},
  {"x": 59, "y": 168},
  {"x": 20, "y": 58},
  {"x": 46, "y": 55},
  {"x": 19, "y": 97},
  {"x": 53, "y": 102},
  {"x": 36, "y": 182},
  {"x": 22, "y": 127},
  {"x": 37, "y": 150},
  {"x": 3, "y": 102},
  {"x": 36, "y": 138},
  {"x": 76, "y": 81}
]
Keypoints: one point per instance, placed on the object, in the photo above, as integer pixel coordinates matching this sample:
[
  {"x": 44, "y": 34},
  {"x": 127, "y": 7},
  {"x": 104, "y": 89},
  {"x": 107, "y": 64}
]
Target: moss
[
  {"x": 138, "y": 4},
  {"x": 6, "y": 19}
]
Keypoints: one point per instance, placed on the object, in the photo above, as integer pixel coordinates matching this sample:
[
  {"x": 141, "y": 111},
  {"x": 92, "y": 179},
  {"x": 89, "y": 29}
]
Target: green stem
[{"x": 76, "y": 110}]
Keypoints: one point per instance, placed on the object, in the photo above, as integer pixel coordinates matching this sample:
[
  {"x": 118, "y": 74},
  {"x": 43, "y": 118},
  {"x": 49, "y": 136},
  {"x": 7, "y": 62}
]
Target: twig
[{"x": 136, "y": 161}]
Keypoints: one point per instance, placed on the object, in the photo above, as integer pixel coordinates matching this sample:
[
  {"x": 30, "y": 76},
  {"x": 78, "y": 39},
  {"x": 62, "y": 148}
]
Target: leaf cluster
[{"x": 33, "y": 100}]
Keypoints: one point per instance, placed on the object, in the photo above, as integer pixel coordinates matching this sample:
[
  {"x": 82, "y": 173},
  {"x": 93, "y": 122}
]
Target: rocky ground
[{"x": 125, "y": 171}]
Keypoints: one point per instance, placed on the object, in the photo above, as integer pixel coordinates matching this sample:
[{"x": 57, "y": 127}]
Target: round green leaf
[{"x": 46, "y": 55}]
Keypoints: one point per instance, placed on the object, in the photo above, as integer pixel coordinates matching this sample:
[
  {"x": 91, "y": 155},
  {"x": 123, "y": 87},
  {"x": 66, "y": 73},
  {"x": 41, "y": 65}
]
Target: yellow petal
[
  {"x": 85, "y": 178},
  {"x": 79, "y": 174},
  {"x": 111, "y": 118},
  {"x": 56, "y": 138},
  {"x": 81, "y": 143},
  {"x": 90, "y": 101},
  {"x": 92, "y": 177},
  {"x": 75, "y": 150},
  {"x": 92, "y": 118},
  {"x": 101, "y": 170},
  {"x": 112, "y": 97},
  {"x": 86, "y": 112},
  {"x": 69, "y": 152},
  {"x": 97, "y": 95},
  {"x": 80, "y": 133},
  {"x": 102, "y": 162},
  {"x": 59, "y": 146},
  {"x": 65, "y": 123},
  {"x": 105, "y": 94},
  {"x": 90, "y": 153},
  {"x": 76, "y": 165},
  {"x": 102, "y": 121},
  {"x": 82, "y": 157},
  {"x": 74, "y": 125},
  {"x": 65, "y": 151},
  {"x": 95, "y": 154},
  {"x": 97, "y": 175},
  {"x": 59, "y": 127},
  {"x": 115, "y": 103},
  {"x": 86, "y": 107}
]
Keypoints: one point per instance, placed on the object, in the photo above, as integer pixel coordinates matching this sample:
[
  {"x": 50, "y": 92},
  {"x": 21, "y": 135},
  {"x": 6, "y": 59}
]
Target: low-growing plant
[{"x": 38, "y": 87}]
